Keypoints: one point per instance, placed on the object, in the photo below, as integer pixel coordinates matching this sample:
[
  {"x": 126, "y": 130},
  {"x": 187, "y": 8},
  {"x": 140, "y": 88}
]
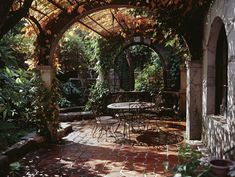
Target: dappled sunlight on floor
[{"x": 82, "y": 155}]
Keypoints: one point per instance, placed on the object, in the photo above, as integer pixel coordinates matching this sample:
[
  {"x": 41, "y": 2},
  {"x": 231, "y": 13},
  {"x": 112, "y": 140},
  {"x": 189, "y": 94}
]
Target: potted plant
[{"x": 221, "y": 167}]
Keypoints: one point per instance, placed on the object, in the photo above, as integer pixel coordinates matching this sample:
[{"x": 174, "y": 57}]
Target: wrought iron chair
[
  {"x": 103, "y": 123},
  {"x": 152, "y": 113},
  {"x": 134, "y": 120}
]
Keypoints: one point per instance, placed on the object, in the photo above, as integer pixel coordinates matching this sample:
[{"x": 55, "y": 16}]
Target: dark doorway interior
[{"x": 221, "y": 77}]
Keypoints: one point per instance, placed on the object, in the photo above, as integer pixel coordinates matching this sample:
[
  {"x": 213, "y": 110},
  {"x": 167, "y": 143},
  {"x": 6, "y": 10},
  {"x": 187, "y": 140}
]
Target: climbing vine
[
  {"x": 108, "y": 49},
  {"x": 46, "y": 111},
  {"x": 105, "y": 52}
]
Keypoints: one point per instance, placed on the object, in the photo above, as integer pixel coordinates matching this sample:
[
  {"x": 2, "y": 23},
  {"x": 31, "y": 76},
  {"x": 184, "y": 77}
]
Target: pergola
[{"x": 109, "y": 18}]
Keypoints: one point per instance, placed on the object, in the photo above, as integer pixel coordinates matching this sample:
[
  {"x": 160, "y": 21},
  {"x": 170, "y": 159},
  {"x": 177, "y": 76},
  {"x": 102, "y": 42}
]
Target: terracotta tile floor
[{"x": 82, "y": 155}]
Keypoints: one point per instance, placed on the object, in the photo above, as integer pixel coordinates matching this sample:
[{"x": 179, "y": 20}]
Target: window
[{"x": 221, "y": 73}]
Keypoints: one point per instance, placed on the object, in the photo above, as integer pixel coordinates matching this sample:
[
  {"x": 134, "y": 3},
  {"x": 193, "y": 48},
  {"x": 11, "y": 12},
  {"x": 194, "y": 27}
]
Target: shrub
[{"x": 189, "y": 164}]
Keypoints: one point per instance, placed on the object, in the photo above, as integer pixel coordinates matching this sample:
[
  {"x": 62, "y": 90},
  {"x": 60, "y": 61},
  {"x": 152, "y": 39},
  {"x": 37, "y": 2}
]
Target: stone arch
[
  {"x": 158, "y": 48},
  {"x": 210, "y": 129},
  {"x": 55, "y": 28},
  {"x": 216, "y": 26}
]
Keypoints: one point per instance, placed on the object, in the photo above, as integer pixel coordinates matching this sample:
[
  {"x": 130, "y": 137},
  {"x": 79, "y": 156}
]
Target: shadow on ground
[{"x": 82, "y": 155}]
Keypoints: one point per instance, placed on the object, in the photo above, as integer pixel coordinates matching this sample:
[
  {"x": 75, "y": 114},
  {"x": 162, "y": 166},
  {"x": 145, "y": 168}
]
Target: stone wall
[{"x": 218, "y": 131}]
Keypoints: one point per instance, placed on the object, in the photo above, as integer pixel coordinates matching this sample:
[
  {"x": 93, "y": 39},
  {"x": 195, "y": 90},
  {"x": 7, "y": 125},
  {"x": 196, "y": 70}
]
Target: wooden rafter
[
  {"x": 92, "y": 29},
  {"x": 119, "y": 23},
  {"x": 127, "y": 28},
  {"x": 48, "y": 14},
  {"x": 99, "y": 24},
  {"x": 77, "y": 1},
  {"x": 57, "y": 5},
  {"x": 35, "y": 9},
  {"x": 34, "y": 20},
  {"x": 70, "y": 2}
]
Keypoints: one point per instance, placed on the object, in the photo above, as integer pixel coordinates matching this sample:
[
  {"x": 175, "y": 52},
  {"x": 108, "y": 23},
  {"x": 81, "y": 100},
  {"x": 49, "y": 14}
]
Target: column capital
[
  {"x": 44, "y": 67},
  {"x": 193, "y": 64},
  {"x": 47, "y": 74},
  {"x": 183, "y": 67}
]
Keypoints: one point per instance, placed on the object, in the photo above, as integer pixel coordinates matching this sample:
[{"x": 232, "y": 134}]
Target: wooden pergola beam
[
  {"x": 35, "y": 9},
  {"x": 57, "y": 5},
  {"x": 70, "y": 2},
  {"x": 99, "y": 24},
  {"x": 123, "y": 28},
  {"x": 92, "y": 29}
]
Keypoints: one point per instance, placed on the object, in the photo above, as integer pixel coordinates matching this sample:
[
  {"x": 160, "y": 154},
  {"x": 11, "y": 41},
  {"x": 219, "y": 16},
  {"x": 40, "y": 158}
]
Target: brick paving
[{"x": 82, "y": 155}]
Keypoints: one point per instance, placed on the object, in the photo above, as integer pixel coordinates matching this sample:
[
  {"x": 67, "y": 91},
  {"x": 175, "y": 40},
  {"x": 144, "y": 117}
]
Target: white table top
[{"x": 130, "y": 105}]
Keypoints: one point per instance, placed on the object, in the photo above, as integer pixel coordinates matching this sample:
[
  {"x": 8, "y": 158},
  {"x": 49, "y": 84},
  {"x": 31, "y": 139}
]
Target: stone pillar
[
  {"x": 47, "y": 75},
  {"x": 194, "y": 100},
  {"x": 182, "y": 99}
]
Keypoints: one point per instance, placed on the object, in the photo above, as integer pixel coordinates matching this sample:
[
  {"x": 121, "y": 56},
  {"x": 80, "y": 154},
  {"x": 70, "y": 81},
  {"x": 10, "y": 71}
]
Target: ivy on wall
[
  {"x": 105, "y": 52},
  {"x": 46, "y": 112}
]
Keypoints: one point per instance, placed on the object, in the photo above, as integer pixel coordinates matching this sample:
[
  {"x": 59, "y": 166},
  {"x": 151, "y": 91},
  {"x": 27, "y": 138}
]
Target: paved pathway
[{"x": 81, "y": 155}]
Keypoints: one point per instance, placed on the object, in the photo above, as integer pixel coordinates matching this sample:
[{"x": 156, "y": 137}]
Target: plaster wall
[{"x": 218, "y": 131}]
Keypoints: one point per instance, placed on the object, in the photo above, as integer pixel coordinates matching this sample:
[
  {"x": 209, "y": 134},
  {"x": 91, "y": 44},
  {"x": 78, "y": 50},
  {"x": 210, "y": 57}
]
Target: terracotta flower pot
[{"x": 220, "y": 167}]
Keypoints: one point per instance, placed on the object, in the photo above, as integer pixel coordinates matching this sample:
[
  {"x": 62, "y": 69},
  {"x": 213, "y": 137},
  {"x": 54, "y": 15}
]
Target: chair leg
[
  {"x": 106, "y": 135},
  {"x": 113, "y": 132},
  {"x": 101, "y": 131},
  {"x": 129, "y": 131},
  {"x": 94, "y": 130},
  {"x": 118, "y": 126}
]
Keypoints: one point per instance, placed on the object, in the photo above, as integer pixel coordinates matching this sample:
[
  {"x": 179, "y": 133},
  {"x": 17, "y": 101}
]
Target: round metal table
[
  {"x": 129, "y": 109},
  {"x": 130, "y": 105}
]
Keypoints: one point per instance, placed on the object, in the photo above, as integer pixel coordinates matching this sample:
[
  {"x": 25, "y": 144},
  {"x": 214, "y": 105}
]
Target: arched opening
[
  {"x": 76, "y": 74},
  {"x": 221, "y": 76},
  {"x": 139, "y": 68},
  {"x": 217, "y": 69},
  {"x": 216, "y": 115},
  {"x": 125, "y": 25}
]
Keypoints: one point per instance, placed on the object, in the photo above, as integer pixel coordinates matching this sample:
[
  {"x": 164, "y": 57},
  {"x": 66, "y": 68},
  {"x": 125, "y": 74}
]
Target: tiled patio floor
[{"x": 81, "y": 155}]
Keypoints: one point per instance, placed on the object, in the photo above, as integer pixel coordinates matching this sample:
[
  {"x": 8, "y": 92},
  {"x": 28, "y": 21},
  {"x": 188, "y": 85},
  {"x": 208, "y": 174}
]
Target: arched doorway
[
  {"x": 215, "y": 90},
  {"x": 217, "y": 69},
  {"x": 134, "y": 63}
]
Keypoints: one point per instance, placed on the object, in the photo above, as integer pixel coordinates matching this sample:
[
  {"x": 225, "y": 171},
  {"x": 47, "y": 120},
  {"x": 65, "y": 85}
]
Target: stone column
[
  {"x": 182, "y": 99},
  {"x": 47, "y": 75},
  {"x": 194, "y": 100}
]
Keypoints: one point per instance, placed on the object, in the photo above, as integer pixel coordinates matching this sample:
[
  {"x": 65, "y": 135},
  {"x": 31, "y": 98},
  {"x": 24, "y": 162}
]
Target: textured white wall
[{"x": 218, "y": 132}]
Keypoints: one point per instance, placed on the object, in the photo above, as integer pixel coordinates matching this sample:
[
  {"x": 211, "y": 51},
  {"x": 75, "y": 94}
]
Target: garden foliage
[{"x": 15, "y": 79}]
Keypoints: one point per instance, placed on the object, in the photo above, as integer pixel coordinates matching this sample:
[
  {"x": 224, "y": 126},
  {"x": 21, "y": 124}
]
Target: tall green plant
[
  {"x": 15, "y": 79},
  {"x": 72, "y": 52},
  {"x": 105, "y": 52},
  {"x": 98, "y": 95},
  {"x": 149, "y": 79},
  {"x": 15, "y": 99},
  {"x": 68, "y": 91}
]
